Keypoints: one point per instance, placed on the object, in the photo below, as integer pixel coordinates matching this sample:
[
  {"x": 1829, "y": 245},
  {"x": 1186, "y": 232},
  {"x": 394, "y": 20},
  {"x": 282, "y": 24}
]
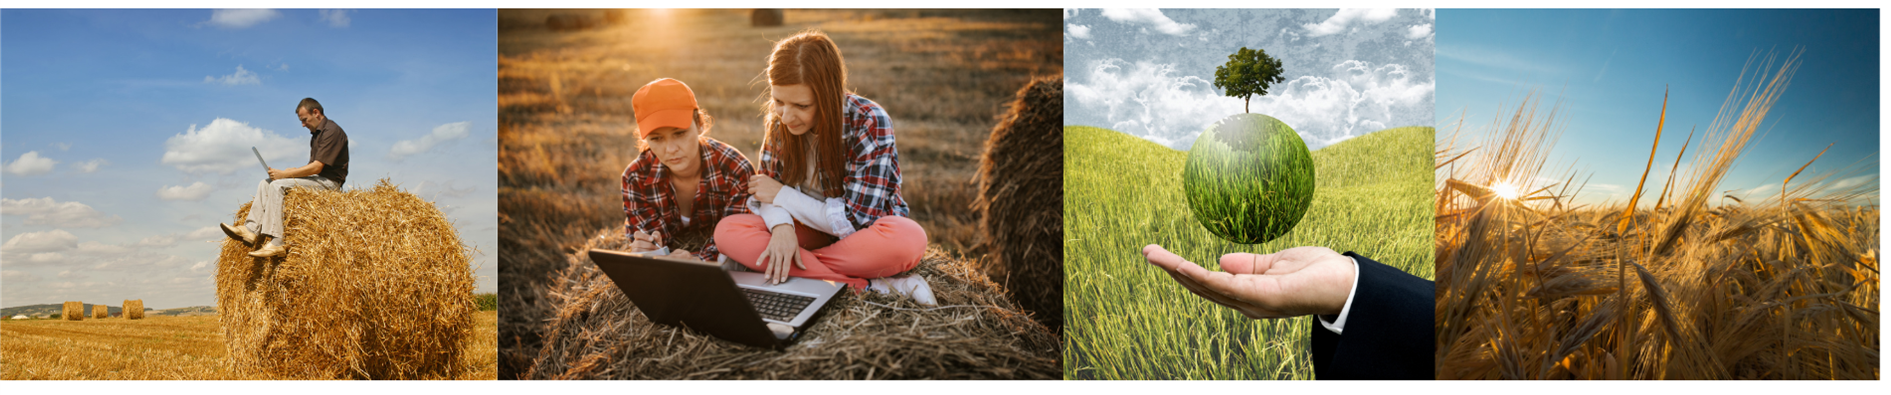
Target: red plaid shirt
[
  {"x": 871, "y": 188},
  {"x": 649, "y": 201}
]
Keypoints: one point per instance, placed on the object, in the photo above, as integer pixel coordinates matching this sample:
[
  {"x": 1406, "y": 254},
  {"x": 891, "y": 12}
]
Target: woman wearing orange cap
[
  {"x": 682, "y": 182},
  {"x": 827, "y": 201}
]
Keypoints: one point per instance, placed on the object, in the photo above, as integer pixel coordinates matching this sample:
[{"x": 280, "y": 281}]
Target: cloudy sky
[
  {"x": 1150, "y": 73},
  {"x": 1608, "y": 68},
  {"x": 126, "y": 134}
]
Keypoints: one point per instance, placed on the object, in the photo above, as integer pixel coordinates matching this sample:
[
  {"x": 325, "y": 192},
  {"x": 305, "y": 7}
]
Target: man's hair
[{"x": 309, "y": 102}]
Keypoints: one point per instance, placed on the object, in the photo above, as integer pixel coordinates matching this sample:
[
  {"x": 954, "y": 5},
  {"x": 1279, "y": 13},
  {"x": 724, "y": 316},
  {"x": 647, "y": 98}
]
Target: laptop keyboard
[{"x": 777, "y": 306}]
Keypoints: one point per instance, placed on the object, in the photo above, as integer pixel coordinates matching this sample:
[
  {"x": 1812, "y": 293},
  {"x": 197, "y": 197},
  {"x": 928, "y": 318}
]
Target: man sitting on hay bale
[{"x": 327, "y": 169}]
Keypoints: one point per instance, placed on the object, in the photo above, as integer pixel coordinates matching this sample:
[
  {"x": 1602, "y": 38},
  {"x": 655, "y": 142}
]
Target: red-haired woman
[
  {"x": 827, "y": 201},
  {"x": 682, "y": 182}
]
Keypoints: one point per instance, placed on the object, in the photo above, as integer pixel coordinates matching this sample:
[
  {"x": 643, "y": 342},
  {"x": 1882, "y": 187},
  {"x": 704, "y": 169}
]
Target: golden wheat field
[
  {"x": 1678, "y": 282},
  {"x": 566, "y": 130},
  {"x": 163, "y": 348}
]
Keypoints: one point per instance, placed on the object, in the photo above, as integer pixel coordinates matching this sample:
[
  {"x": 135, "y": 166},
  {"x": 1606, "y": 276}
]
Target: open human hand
[{"x": 1293, "y": 282}]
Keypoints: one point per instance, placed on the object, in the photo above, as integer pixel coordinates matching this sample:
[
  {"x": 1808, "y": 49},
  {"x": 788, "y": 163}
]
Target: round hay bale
[
  {"x": 73, "y": 311},
  {"x": 568, "y": 22},
  {"x": 100, "y": 311},
  {"x": 766, "y": 17},
  {"x": 134, "y": 309},
  {"x": 375, "y": 285},
  {"x": 1021, "y": 200},
  {"x": 595, "y": 332}
]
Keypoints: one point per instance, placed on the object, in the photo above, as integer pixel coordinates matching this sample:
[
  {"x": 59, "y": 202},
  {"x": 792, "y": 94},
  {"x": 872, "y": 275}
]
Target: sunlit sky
[
  {"x": 1609, "y": 68},
  {"x": 126, "y": 134}
]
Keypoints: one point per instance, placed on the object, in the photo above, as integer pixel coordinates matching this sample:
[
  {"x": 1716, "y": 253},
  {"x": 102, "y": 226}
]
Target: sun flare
[{"x": 1504, "y": 189}]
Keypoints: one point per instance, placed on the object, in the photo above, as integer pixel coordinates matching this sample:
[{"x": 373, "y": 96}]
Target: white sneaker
[{"x": 914, "y": 286}]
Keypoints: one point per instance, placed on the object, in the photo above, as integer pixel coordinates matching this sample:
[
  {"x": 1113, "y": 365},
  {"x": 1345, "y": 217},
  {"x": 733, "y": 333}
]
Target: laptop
[{"x": 735, "y": 306}]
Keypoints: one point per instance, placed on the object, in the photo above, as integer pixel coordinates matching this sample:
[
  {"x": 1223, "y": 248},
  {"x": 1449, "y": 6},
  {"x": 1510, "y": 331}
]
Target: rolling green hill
[{"x": 1125, "y": 319}]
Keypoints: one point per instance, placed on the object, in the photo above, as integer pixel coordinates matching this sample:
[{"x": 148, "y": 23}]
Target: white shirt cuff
[
  {"x": 772, "y": 215},
  {"x": 1339, "y": 324}
]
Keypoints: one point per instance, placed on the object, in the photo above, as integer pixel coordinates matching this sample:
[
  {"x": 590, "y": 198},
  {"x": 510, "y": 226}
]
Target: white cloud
[
  {"x": 1148, "y": 16},
  {"x": 90, "y": 166},
  {"x": 1347, "y": 16},
  {"x": 204, "y": 233},
  {"x": 46, "y": 211},
  {"x": 49, "y": 241},
  {"x": 62, "y": 146},
  {"x": 241, "y": 77},
  {"x": 440, "y": 134},
  {"x": 1078, "y": 31},
  {"x": 30, "y": 164},
  {"x": 335, "y": 18},
  {"x": 16, "y": 276},
  {"x": 200, "y": 266},
  {"x": 224, "y": 146},
  {"x": 241, "y": 18},
  {"x": 159, "y": 241},
  {"x": 1146, "y": 100},
  {"x": 1070, "y": 12},
  {"x": 1418, "y": 32},
  {"x": 193, "y": 192}
]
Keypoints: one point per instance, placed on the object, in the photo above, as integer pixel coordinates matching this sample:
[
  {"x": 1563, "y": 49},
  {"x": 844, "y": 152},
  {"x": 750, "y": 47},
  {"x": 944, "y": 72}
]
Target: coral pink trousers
[{"x": 890, "y": 246}]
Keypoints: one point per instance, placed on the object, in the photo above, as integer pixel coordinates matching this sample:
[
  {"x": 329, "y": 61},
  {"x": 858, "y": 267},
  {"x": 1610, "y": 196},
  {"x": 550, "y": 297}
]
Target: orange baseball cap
[{"x": 665, "y": 102}]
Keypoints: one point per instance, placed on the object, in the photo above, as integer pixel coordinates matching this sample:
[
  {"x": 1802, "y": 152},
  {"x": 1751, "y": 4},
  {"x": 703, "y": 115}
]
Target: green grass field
[{"x": 1125, "y": 319}]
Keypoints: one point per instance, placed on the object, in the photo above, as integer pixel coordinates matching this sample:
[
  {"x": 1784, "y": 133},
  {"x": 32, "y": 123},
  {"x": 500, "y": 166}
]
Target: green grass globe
[{"x": 1249, "y": 178}]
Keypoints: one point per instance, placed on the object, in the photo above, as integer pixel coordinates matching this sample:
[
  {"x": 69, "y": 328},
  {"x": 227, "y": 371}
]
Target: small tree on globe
[{"x": 1249, "y": 72}]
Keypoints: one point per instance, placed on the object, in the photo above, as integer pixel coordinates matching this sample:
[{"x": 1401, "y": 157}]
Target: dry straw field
[
  {"x": 164, "y": 348},
  {"x": 566, "y": 129},
  {"x": 1678, "y": 282}
]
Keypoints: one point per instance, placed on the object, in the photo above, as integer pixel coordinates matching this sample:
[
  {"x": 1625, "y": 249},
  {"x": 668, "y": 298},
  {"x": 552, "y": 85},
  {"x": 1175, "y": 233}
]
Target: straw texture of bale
[
  {"x": 100, "y": 311},
  {"x": 1021, "y": 199},
  {"x": 134, "y": 309},
  {"x": 974, "y": 333},
  {"x": 375, "y": 285},
  {"x": 73, "y": 311}
]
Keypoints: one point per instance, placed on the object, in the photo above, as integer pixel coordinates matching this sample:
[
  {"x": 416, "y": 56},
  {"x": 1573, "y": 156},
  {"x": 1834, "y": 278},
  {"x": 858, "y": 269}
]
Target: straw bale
[
  {"x": 974, "y": 333},
  {"x": 100, "y": 311},
  {"x": 134, "y": 309},
  {"x": 375, "y": 285},
  {"x": 73, "y": 311},
  {"x": 765, "y": 17},
  {"x": 1021, "y": 199}
]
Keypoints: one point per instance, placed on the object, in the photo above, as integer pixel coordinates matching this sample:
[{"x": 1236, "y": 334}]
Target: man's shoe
[
  {"x": 270, "y": 251},
  {"x": 239, "y": 233}
]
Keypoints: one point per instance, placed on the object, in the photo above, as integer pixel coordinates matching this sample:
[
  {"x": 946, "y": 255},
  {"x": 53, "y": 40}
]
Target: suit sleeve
[{"x": 1388, "y": 332}]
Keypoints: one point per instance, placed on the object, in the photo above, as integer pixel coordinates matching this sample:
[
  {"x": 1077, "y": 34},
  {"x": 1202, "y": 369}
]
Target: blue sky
[
  {"x": 1609, "y": 68},
  {"x": 1150, "y": 73},
  {"x": 125, "y": 134}
]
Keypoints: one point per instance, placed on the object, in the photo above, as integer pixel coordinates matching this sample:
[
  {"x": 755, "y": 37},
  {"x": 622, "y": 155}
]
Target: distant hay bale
[
  {"x": 134, "y": 309},
  {"x": 1021, "y": 199},
  {"x": 569, "y": 22},
  {"x": 974, "y": 333},
  {"x": 100, "y": 311},
  {"x": 74, "y": 311},
  {"x": 375, "y": 285},
  {"x": 765, "y": 17}
]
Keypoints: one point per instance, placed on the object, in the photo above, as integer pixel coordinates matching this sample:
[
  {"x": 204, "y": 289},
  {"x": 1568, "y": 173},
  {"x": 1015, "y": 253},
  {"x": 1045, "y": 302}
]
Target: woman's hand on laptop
[
  {"x": 645, "y": 242},
  {"x": 783, "y": 248},
  {"x": 682, "y": 254}
]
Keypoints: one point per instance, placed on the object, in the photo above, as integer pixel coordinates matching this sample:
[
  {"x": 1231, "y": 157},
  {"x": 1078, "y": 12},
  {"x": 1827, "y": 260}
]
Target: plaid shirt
[
  {"x": 649, "y": 201},
  {"x": 871, "y": 188}
]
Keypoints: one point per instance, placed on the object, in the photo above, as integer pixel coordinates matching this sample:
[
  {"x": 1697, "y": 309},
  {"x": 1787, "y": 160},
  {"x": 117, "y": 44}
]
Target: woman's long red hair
[{"x": 809, "y": 58}]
